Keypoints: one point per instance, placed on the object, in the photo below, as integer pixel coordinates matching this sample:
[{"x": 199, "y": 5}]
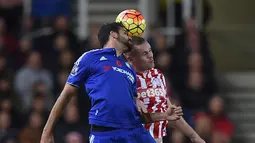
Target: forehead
[
  {"x": 122, "y": 29},
  {"x": 143, "y": 47}
]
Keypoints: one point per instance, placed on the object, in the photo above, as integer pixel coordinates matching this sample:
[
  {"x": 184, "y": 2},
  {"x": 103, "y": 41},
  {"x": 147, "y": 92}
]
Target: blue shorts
[{"x": 137, "y": 135}]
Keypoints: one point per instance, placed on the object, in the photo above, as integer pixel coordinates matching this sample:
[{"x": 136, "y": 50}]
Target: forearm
[
  {"x": 185, "y": 128},
  {"x": 153, "y": 117},
  {"x": 57, "y": 110},
  {"x": 182, "y": 125}
]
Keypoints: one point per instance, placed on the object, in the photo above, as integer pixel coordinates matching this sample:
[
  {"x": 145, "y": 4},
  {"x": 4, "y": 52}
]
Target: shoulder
[
  {"x": 157, "y": 70},
  {"x": 92, "y": 55},
  {"x": 88, "y": 56},
  {"x": 20, "y": 73},
  {"x": 101, "y": 51}
]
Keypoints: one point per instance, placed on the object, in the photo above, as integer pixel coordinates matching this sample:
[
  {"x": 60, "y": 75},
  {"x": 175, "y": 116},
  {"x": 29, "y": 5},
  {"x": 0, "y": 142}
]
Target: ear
[{"x": 114, "y": 35}]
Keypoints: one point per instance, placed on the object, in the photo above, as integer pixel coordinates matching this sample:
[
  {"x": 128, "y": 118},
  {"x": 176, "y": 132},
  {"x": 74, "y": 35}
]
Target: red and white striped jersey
[{"x": 152, "y": 90}]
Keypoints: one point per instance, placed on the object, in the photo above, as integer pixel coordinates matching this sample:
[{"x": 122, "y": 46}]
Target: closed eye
[{"x": 145, "y": 53}]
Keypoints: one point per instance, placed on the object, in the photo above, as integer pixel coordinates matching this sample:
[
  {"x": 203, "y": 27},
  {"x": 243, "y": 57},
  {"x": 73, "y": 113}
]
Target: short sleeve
[
  {"x": 80, "y": 71},
  {"x": 164, "y": 83}
]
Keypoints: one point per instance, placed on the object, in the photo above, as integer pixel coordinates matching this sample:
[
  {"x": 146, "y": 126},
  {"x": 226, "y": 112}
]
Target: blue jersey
[{"x": 111, "y": 85}]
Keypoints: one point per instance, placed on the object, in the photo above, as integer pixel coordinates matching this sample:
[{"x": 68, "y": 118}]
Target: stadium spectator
[
  {"x": 6, "y": 132},
  {"x": 31, "y": 73},
  {"x": 66, "y": 60},
  {"x": 61, "y": 81},
  {"x": 71, "y": 122},
  {"x": 32, "y": 132},
  {"x": 23, "y": 51},
  {"x": 9, "y": 40},
  {"x": 7, "y": 106},
  {"x": 39, "y": 105},
  {"x": 91, "y": 42},
  {"x": 74, "y": 137},
  {"x": 62, "y": 27},
  {"x": 221, "y": 130}
]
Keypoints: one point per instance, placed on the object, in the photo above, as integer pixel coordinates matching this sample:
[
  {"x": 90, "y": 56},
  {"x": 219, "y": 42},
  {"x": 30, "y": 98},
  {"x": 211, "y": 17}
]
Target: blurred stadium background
[{"x": 204, "y": 47}]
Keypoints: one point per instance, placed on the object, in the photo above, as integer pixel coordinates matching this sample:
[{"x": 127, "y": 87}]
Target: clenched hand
[{"x": 174, "y": 113}]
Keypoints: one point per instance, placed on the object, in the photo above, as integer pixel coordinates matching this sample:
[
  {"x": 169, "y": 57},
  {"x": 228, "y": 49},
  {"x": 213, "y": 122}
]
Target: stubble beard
[{"x": 126, "y": 44}]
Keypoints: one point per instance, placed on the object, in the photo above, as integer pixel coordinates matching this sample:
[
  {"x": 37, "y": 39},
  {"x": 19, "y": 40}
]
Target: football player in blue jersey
[{"x": 111, "y": 85}]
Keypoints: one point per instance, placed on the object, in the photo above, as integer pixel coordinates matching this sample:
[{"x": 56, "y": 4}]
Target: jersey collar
[
  {"x": 111, "y": 50},
  {"x": 143, "y": 74}
]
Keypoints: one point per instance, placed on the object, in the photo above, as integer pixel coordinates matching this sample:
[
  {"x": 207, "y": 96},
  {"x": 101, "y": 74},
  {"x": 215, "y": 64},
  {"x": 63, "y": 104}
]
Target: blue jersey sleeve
[{"x": 80, "y": 71}]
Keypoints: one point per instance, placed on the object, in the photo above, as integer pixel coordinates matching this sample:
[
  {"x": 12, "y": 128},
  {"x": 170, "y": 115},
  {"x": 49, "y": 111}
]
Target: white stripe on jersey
[
  {"x": 163, "y": 83},
  {"x": 164, "y": 80},
  {"x": 151, "y": 129},
  {"x": 149, "y": 75},
  {"x": 143, "y": 82},
  {"x": 160, "y": 127},
  {"x": 154, "y": 108},
  {"x": 156, "y": 71}
]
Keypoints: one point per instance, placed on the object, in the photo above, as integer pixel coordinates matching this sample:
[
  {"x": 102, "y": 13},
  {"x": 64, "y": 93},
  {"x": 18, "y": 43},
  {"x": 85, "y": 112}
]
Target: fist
[{"x": 174, "y": 113}]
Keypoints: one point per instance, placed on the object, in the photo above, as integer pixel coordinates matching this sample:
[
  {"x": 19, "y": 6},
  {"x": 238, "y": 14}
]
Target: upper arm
[
  {"x": 80, "y": 72},
  {"x": 164, "y": 84},
  {"x": 69, "y": 89}
]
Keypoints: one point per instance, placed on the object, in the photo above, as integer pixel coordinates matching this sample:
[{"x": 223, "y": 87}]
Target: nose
[
  {"x": 151, "y": 55},
  {"x": 129, "y": 38}
]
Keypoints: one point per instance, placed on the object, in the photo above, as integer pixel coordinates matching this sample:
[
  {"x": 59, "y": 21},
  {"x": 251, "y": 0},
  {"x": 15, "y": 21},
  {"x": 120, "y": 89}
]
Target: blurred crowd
[{"x": 36, "y": 56}]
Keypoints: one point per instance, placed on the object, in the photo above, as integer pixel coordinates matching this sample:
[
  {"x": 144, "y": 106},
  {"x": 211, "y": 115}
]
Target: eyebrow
[
  {"x": 147, "y": 51},
  {"x": 144, "y": 52}
]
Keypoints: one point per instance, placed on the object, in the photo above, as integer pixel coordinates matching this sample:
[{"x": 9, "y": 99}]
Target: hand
[
  {"x": 197, "y": 140},
  {"x": 47, "y": 138},
  {"x": 140, "y": 106},
  {"x": 173, "y": 113}
]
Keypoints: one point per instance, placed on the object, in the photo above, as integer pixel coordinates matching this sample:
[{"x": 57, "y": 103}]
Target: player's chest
[
  {"x": 113, "y": 67},
  {"x": 150, "y": 87}
]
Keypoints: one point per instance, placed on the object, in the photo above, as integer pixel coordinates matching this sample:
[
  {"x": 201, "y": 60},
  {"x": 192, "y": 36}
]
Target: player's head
[
  {"x": 114, "y": 34},
  {"x": 141, "y": 56}
]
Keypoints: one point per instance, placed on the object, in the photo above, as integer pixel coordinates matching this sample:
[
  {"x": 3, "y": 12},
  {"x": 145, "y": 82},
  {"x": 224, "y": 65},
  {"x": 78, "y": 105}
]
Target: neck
[
  {"x": 139, "y": 70},
  {"x": 114, "y": 45}
]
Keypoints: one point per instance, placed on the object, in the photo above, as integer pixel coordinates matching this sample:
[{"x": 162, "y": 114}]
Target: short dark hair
[
  {"x": 136, "y": 40},
  {"x": 104, "y": 32}
]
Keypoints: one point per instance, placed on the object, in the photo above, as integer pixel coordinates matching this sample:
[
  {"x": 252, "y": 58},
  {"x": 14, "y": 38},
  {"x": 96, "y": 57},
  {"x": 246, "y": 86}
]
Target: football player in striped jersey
[{"x": 152, "y": 91}]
